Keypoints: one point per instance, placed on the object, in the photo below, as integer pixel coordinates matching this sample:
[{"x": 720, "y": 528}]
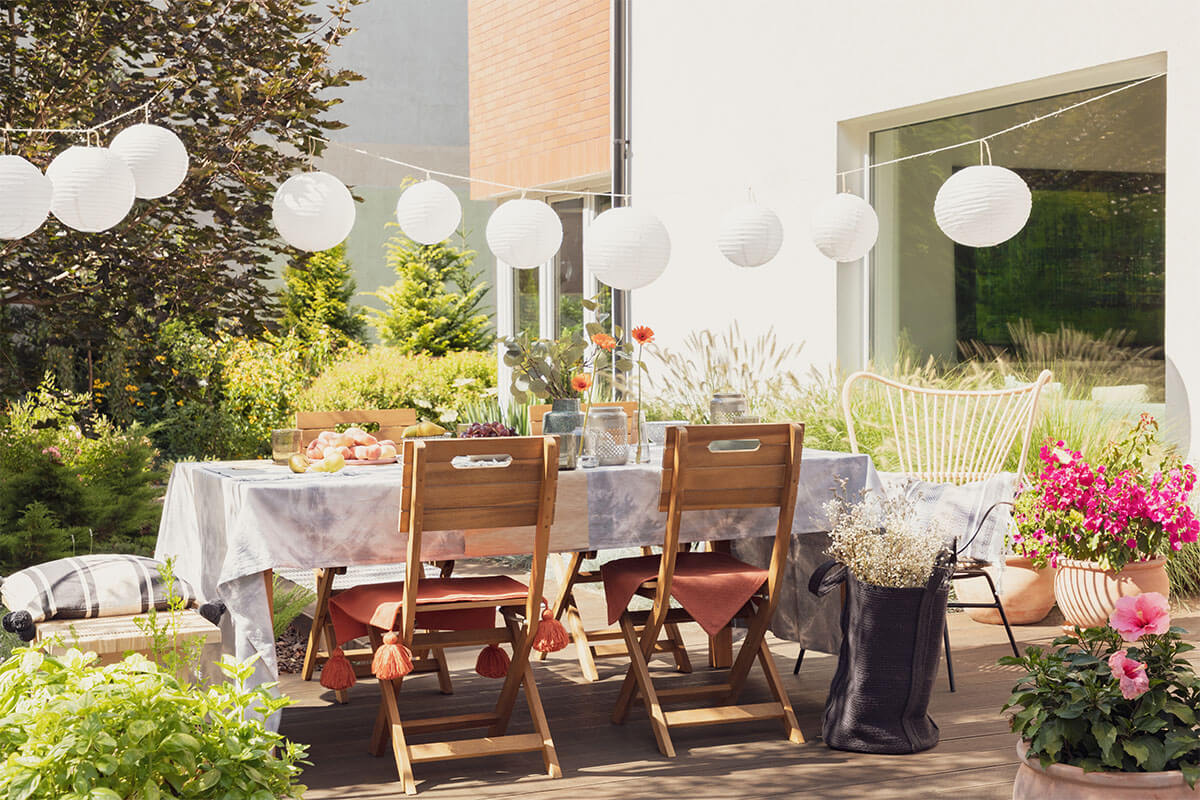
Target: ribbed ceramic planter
[
  {"x": 565, "y": 421},
  {"x": 1087, "y": 594},
  {"x": 1063, "y": 782},
  {"x": 1027, "y": 593}
]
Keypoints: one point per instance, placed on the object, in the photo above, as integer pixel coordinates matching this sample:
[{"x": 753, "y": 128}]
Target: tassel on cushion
[
  {"x": 338, "y": 672},
  {"x": 393, "y": 660},
  {"x": 550, "y": 636},
  {"x": 492, "y": 662}
]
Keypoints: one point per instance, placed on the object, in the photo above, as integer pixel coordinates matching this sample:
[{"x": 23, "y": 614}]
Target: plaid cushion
[{"x": 91, "y": 586}]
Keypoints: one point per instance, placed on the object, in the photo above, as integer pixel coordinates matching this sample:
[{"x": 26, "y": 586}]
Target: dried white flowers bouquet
[{"x": 879, "y": 540}]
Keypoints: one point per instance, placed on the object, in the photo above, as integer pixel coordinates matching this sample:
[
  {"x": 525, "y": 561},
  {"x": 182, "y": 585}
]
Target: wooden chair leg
[
  {"x": 512, "y": 682},
  {"x": 583, "y": 647},
  {"x": 791, "y": 728},
  {"x": 756, "y": 633},
  {"x": 324, "y": 581},
  {"x": 390, "y": 689},
  {"x": 444, "y": 682},
  {"x": 720, "y": 649},
  {"x": 678, "y": 650},
  {"x": 538, "y": 713},
  {"x": 639, "y": 671}
]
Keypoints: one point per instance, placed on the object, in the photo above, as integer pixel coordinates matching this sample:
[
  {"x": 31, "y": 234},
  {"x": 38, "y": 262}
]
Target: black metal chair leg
[
  {"x": 949, "y": 664},
  {"x": 799, "y": 661},
  {"x": 1012, "y": 642}
]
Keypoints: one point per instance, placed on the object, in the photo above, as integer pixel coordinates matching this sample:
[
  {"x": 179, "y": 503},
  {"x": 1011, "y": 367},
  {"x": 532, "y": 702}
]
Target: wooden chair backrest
[
  {"x": 438, "y": 496},
  {"x": 538, "y": 412},
  {"x": 700, "y": 474},
  {"x": 950, "y": 436},
  {"x": 391, "y": 421}
]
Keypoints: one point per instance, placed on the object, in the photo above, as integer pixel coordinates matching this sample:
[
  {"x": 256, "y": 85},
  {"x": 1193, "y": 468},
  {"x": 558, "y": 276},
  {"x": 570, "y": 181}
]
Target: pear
[{"x": 299, "y": 462}]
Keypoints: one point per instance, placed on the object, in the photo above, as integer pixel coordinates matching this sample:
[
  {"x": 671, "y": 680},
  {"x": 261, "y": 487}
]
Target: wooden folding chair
[
  {"x": 707, "y": 467},
  {"x": 588, "y": 643},
  {"x": 442, "y": 494},
  {"x": 391, "y": 422}
]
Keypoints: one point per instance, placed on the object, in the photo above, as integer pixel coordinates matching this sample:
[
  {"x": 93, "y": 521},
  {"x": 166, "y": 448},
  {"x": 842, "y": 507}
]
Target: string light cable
[{"x": 982, "y": 141}]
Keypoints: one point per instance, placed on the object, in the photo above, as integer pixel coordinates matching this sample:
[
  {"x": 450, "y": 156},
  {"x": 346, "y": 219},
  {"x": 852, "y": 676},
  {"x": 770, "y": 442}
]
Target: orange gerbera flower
[
  {"x": 643, "y": 334},
  {"x": 581, "y": 382},
  {"x": 604, "y": 341}
]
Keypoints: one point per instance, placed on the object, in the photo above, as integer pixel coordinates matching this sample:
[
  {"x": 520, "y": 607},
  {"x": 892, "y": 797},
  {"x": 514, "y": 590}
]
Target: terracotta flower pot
[
  {"x": 1027, "y": 593},
  {"x": 1087, "y": 594},
  {"x": 1063, "y": 782}
]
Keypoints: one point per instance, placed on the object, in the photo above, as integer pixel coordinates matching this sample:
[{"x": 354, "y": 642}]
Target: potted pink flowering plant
[
  {"x": 1108, "y": 524},
  {"x": 1110, "y": 711}
]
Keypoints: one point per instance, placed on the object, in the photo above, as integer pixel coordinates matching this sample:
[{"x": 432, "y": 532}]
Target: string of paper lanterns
[
  {"x": 87, "y": 187},
  {"x": 628, "y": 248}
]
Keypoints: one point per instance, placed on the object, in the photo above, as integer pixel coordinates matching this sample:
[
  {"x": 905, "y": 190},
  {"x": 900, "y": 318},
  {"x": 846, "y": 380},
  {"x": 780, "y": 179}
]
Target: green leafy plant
[
  {"x": 73, "y": 730},
  {"x": 386, "y": 377},
  {"x": 179, "y": 656},
  {"x": 71, "y": 482},
  {"x": 317, "y": 288},
  {"x": 287, "y": 601},
  {"x": 436, "y": 305},
  {"x": 1098, "y": 702},
  {"x": 488, "y": 409}
]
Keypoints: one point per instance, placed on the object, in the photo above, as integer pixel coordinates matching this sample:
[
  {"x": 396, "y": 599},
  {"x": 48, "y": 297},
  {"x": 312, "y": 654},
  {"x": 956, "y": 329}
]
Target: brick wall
[{"x": 538, "y": 91}]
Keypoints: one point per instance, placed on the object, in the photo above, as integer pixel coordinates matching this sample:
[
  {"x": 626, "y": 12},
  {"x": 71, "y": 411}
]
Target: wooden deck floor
[{"x": 975, "y": 758}]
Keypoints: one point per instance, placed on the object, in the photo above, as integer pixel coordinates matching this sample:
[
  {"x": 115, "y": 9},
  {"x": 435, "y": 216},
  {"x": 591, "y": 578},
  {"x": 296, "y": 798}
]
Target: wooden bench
[{"x": 111, "y": 638}]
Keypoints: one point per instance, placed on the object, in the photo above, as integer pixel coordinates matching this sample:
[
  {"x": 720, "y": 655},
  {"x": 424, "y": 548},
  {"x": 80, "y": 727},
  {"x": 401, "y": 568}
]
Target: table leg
[{"x": 269, "y": 585}]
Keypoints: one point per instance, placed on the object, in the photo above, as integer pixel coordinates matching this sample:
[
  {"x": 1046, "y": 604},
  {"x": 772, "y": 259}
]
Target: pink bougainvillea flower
[
  {"x": 1131, "y": 674},
  {"x": 1144, "y": 613}
]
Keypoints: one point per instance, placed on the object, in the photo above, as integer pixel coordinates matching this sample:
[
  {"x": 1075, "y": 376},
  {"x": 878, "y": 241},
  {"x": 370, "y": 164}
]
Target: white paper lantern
[
  {"x": 93, "y": 188},
  {"x": 982, "y": 205},
  {"x": 24, "y": 197},
  {"x": 156, "y": 157},
  {"x": 627, "y": 248},
  {"x": 750, "y": 235},
  {"x": 524, "y": 233},
  {"x": 313, "y": 211},
  {"x": 428, "y": 212},
  {"x": 845, "y": 227}
]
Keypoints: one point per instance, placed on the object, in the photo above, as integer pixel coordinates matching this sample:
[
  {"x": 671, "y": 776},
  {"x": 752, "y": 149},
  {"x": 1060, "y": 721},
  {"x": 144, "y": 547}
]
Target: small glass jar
[
  {"x": 727, "y": 408},
  {"x": 607, "y": 436},
  {"x": 285, "y": 442}
]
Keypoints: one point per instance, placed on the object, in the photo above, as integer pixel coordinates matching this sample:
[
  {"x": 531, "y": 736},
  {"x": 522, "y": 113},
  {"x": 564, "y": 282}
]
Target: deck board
[{"x": 601, "y": 761}]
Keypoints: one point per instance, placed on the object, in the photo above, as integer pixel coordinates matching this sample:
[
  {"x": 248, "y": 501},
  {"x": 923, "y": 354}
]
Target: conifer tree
[
  {"x": 317, "y": 292},
  {"x": 434, "y": 307}
]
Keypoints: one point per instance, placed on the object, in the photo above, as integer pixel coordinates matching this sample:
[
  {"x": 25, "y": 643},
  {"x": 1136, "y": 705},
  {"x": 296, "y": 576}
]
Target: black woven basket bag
[{"x": 891, "y": 645}]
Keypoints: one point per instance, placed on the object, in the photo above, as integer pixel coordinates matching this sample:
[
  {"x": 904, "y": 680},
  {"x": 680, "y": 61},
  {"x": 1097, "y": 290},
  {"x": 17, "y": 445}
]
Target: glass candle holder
[
  {"x": 727, "y": 408},
  {"x": 607, "y": 436},
  {"x": 285, "y": 442}
]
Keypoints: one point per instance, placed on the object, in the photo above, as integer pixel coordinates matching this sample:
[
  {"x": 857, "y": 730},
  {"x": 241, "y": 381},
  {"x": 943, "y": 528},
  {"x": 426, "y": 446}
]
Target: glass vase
[
  {"x": 564, "y": 421},
  {"x": 607, "y": 435}
]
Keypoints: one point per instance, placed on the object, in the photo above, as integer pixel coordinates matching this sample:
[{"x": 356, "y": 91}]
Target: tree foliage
[
  {"x": 317, "y": 291},
  {"x": 435, "y": 306},
  {"x": 244, "y": 84}
]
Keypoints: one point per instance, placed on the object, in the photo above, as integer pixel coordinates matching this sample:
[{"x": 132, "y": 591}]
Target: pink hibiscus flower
[
  {"x": 1131, "y": 673},
  {"x": 1144, "y": 613}
]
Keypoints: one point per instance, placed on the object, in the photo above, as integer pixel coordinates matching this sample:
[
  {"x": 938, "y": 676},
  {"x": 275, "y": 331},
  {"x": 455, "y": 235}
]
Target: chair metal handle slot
[
  {"x": 734, "y": 445},
  {"x": 482, "y": 461}
]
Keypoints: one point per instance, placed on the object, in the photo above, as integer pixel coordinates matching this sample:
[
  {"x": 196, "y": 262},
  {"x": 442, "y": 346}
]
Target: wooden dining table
[{"x": 228, "y": 525}]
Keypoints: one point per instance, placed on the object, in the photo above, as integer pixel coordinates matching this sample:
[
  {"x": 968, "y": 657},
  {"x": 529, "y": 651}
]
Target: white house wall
[{"x": 772, "y": 93}]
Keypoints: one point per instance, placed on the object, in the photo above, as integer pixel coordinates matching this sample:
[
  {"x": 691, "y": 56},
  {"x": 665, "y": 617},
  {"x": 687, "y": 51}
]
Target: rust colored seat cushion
[
  {"x": 711, "y": 587},
  {"x": 380, "y": 604}
]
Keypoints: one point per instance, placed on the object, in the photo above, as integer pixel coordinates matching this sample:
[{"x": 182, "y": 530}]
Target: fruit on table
[
  {"x": 331, "y": 463},
  {"x": 353, "y": 445},
  {"x": 483, "y": 429},
  {"x": 425, "y": 428},
  {"x": 299, "y": 462}
]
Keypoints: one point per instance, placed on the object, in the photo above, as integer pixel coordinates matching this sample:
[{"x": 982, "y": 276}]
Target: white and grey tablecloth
[{"x": 226, "y": 523}]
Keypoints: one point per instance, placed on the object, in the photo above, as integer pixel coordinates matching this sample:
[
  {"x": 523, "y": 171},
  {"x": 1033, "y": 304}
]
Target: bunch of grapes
[{"x": 481, "y": 429}]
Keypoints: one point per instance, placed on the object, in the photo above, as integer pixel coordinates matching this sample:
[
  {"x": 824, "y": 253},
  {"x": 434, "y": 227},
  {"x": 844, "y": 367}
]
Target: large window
[{"x": 1090, "y": 260}]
